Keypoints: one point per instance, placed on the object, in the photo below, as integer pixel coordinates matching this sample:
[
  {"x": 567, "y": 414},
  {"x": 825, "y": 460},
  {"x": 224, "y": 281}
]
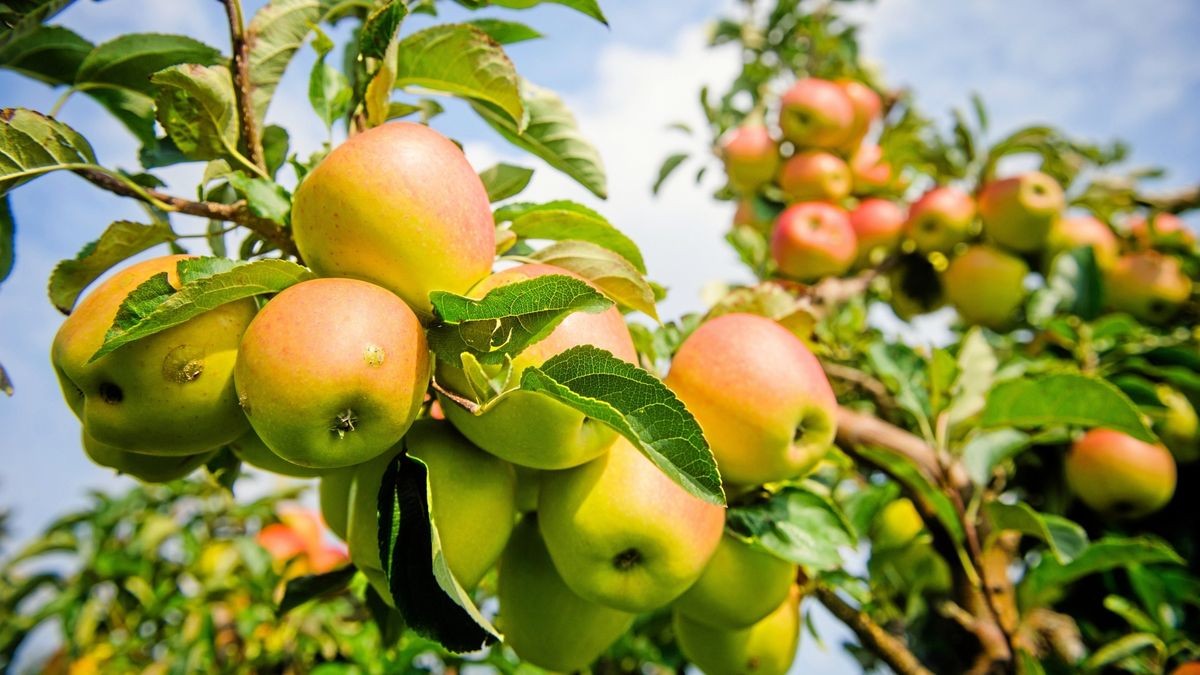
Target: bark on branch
[
  {"x": 872, "y": 636},
  {"x": 856, "y": 428},
  {"x": 241, "y": 83}
]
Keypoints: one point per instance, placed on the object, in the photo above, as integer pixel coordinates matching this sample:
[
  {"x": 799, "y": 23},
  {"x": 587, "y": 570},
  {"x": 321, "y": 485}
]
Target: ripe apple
[
  {"x": 332, "y": 372},
  {"x": 146, "y": 468},
  {"x": 1161, "y": 227},
  {"x": 750, "y": 155},
  {"x": 766, "y": 648},
  {"x": 399, "y": 206},
  {"x": 869, "y": 170},
  {"x": 867, "y": 108},
  {"x": 543, "y": 621},
  {"x": 815, "y": 175},
  {"x": 623, "y": 534},
  {"x": 528, "y": 428},
  {"x": 813, "y": 240},
  {"x": 1018, "y": 212},
  {"x": 334, "y": 494},
  {"x": 896, "y": 526},
  {"x": 941, "y": 219},
  {"x": 1148, "y": 285},
  {"x": 250, "y": 449},
  {"x": 986, "y": 285},
  {"x": 1079, "y": 231},
  {"x": 816, "y": 113},
  {"x": 1178, "y": 426},
  {"x": 740, "y": 586},
  {"x": 167, "y": 394},
  {"x": 1116, "y": 474},
  {"x": 737, "y": 358},
  {"x": 878, "y": 225}
]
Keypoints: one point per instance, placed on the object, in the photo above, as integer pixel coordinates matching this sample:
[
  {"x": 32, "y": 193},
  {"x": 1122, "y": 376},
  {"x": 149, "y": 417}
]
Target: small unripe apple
[
  {"x": 867, "y": 109},
  {"x": 941, "y": 219},
  {"x": 1148, "y": 285},
  {"x": 896, "y": 526},
  {"x": 813, "y": 240},
  {"x": 250, "y": 449},
  {"x": 1018, "y": 212},
  {"x": 766, "y": 648},
  {"x": 146, "y": 468},
  {"x": 869, "y": 170},
  {"x": 986, "y": 286},
  {"x": 816, "y": 113},
  {"x": 915, "y": 287},
  {"x": 815, "y": 175},
  {"x": 1161, "y": 227},
  {"x": 740, "y": 586},
  {"x": 1079, "y": 231},
  {"x": 1178, "y": 426},
  {"x": 750, "y": 155},
  {"x": 1117, "y": 475},
  {"x": 878, "y": 225}
]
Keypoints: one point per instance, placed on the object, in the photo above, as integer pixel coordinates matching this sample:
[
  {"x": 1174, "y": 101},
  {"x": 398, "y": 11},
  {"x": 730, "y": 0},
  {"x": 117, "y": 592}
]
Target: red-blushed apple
[
  {"x": 1078, "y": 231},
  {"x": 740, "y": 586},
  {"x": 750, "y": 155},
  {"x": 816, "y": 113},
  {"x": 1148, "y": 285},
  {"x": 1117, "y": 475},
  {"x": 815, "y": 175},
  {"x": 867, "y": 109},
  {"x": 986, "y": 286},
  {"x": 766, "y": 648},
  {"x": 1161, "y": 227},
  {"x": 869, "y": 171},
  {"x": 1018, "y": 212},
  {"x": 736, "y": 358},
  {"x": 940, "y": 219},
  {"x": 878, "y": 225},
  {"x": 813, "y": 240}
]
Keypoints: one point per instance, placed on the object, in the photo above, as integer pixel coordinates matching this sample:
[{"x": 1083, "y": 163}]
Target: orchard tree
[{"x": 521, "y": 475}]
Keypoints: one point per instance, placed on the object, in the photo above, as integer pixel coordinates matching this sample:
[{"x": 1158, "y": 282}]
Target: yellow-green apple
[
  {"x": 740, "y": 586},
  {"x": 878, "y": 225},
  {"x": 815, "y": 175},
  {"x": 766, "y": 648},
  {"x": 250, "y": 449},
  {"x": 1118, "y": 475},
  {"x": 543, "y": 621},
  {"x": 334, "y": 495},
  {"x": 896, "y": 526},
  {"x": 1018, "y": 212},
  {"x": 867, "y": 108},
  {"x": 1079, "y": 231},
  {"x": 915, "y": 287},
  {"x": 1148, "y": 285},
  {"x": 737, "y": 358},
  {"x": 869, "y": 171},
  {"x": 399, "y": 206},
  {"x": 473, "y": 500},
  {"x": 146, "y": 468},
  {"x": 170, "y": 393},
  {"x": 332, "y": 372},
  {"x": 1161, "y": 227},
  {"x": 816, "y": 113},
  {"x": 750, "y": 155},
  {"x": 1178, "y": 425},
  {"x": 623, "y": 534},
  {"x": 940, "y": 219},
  {"x": 529, "y": 484},
  {"x": 528, "y": 428},
  {"x": 986, "y": 285},
  {"x": 813, "y": 240}
]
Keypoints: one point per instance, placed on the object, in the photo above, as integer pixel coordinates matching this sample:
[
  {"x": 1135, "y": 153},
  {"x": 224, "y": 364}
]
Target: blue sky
[{"x": 1102, "y": 69}]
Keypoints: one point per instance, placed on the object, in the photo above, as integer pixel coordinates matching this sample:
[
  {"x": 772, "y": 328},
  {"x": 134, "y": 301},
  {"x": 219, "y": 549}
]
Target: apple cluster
[{"x": 333, "y": 378}]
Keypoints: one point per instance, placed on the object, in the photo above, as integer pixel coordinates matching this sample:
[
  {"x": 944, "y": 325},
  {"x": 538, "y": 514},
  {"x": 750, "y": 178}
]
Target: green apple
[
  {"x": 146, "y": 468},
  {"x": 816, "y": 113},
  {"x": 332, "y": 372},
  {"x": 736, "y": 358},
  {"x": 813, "y": 240},
  {"x": 897, "y": 525},
  {"x": 623, "y": 534},
  {"x": 766, "y": 648},
  {"x": 170, "y": 393},
  {"x": 878, "y": 225},
  {"x": 941, "y": 219},
  {"x": 1148, "y": 285},
  {"x": 1117, "y": 475},
  {"x": 399, "y": 206},
  {"x": 740, "y": 586},
  {"x": 986, "y": 286},
  {"x": 334, "y": 494},
  {"x": 528, "y": 428},
  {"x": 543, "y": 621},
  {"x": 1178, "y": 425},
  {"x": 750, "y": 155},
  {"x": 1018, "y": 212},
  {"x": 529, "y": 485},
  {"x": 1079, "y": 231},
  {"x": 815, "y": 175},
  {"x": 250, "y": 449}
]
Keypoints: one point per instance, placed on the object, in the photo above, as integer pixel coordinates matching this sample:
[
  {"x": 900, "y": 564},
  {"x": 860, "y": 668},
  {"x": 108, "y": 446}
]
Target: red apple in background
[
  {"x": 1118, "y": 475},
  {"x": 1078, "y": 231},
  {"x": 816, "y": 113},
  {"x": 869, "y": 170},
  {"x": 815, "y": 175},
  {"x": 1161, "y": 227},
  {"x": 878, "y": 225},
  {"x": 1017, "y": 212},
  {"x": 813, "y": 240},
  {"x": 1148, "y": 285},
  {"x": 941, "y": 219},
  {"x": 750, "y": 155},
  {"x": 867, "y": 108}
]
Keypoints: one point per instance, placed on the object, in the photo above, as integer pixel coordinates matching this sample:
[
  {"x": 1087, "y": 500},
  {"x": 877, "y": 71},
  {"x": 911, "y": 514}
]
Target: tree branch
[
  {"x": 241, "y": 82},
  {"x": 872, "y": 636},
  {"x": 856, "y": 428}
]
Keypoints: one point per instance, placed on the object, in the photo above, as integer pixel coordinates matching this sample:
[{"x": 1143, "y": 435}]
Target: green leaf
[
  {"x": 129, "y": 61},
  {"x": 196, "y": 106},
  {"x": 18, "y": 18},
  {"x": 908, "y": 475},
  {"x": 462, "y": 60},
  {"x": 797, "y": 525},
  {"x": 669, "y": 165},
  {"x": 614, "y": 275},
  {"x": 1065, "y": 538},
  {"x": 1072, "y": 286},
  {"x": 1063, "y": 399},
  {"x": 265, "y": 198},
  {"x": 639, "y": 406},
  {"x": 8, "y": 238},
  {"x": 977, "y": 363},
  {"x": 505, "y": 32},
  {"x": 6, "y": 384},
  {"x": 987, "y": 449},
  {"x": 275, "y": 141},
  {"x": 509, "y": 318},
  {"x": 505, "y": 180},
  {"x": 206, "y": 283},
  {"x": 903, "y": 371},
  {"x": 423, "y": 588},
  {"x": 51, "y": 54},
  {"x": 1044, "y": 583},
  {"x": 1124, "y": 647},
  {"x": 32, "y": 144},
  {"x": 588, "y": 7},
  {"x": 380, "y": 28},
  {"x": 311, "y": 586},
  {"x": 121, "y": 240},
  {"x": 329, "y": 92},
  {"x": 567, "y": 220},
  {"x": 274, "y": 34},
  {"x": 550, "y": 133}
]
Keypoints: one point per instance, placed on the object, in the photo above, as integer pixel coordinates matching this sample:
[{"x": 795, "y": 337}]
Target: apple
[
  {"x": 766, "y": 648},
  {"x": 623, "y": 534},
  {"x": 896, "y": 526},
  {"x": 334, "y": 495},
  {"x": 750, "y": 155},
  {"x": 543, "y": 621},
  {"x": 170, "y": 393},
  {"x": 867, "y": 109},
  {"x": 816, "y": 113},
  {"x": 760, "y": 396},
  {"x": 529, "y": 485},
  {"x": 739, "y": 587},
  {"x": 813, "y": 240},
  {"x": 332, "y": 372},
  {"x": 146, "y": 468},
  {"x": 1018, "y": 212},
  {"x": 528, "y": 428},
  {"x": 250, "y": 449},
  {"x": 869, "y": 170},
  {"x": 986, "y": 286},
  {"x": 1189, "y": 668},
  {"x": 1079, "y": 231},
  {"x": 1161, "y": 227},
  {"x": 399, "y": 206},
  {"x": 915, "y": 287},
  {"x": 940, "y": 219},
  {"x": 1148, "y": 285},
  {"x": 297, "y": 544},
  {"x": 815, "y": 175},
  {"x": 1178, "y": 425},
  {"x": 1117, "y": 475},
  {"x": 878, "y": 225}
]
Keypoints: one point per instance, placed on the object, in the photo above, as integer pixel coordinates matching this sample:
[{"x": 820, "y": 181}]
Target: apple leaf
[
  {"x": 1063, "y": 399},
  {"x": 8, "y": 238},
  {"x": 589, "y": 7},
  {"x": 265, "y": 198},
  {"x": 668, "y": 167},
  {"x": 1045, "y": 582},
  {"x": 505, "y": 32},
  {"x": 509, "y": 318},
  {"x": 128, "y": 61},
  {"x": 432, "y": 602},
  {"x": 505, "y": 180},
  {"x": 19, "y": 19},
  {"x": 32, "y": 144},
  {"x": 797, "y": 525},
  {"x": 986, "y": 449},
  {"x": 311, "y": 586},
  {"x": 976, "y": 365},
  {"x": 614, "y": 275},
  {"x": 6, "y": 384},
  {"x": 1072, "y": 287},
  {"x": 205, "y": 283},
  {"x": 1065, "y": 538},
  {"x": 274, "y": 34},
  {"x": 119, "y": 241},
  {"x": 51, "y": 54},
  {"x": 560, "y": 220},
  {"x": 380, "y": 27},
  {"x": 196, "y": 106},
  {"x": 638, "y": 406}
]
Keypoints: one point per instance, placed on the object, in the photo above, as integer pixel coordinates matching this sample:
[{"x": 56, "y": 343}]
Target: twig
[
  {"x": 860, "y": 429},
  {"x": 1174, "y": 201},
  {"x": 873, "y": 387},
  {"x": 872, "y": 636},
  {"x": 241, "y": 82}
]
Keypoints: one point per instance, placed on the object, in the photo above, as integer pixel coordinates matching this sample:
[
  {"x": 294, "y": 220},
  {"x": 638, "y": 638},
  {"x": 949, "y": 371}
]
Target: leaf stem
[{"x": 241, "y": 85}]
